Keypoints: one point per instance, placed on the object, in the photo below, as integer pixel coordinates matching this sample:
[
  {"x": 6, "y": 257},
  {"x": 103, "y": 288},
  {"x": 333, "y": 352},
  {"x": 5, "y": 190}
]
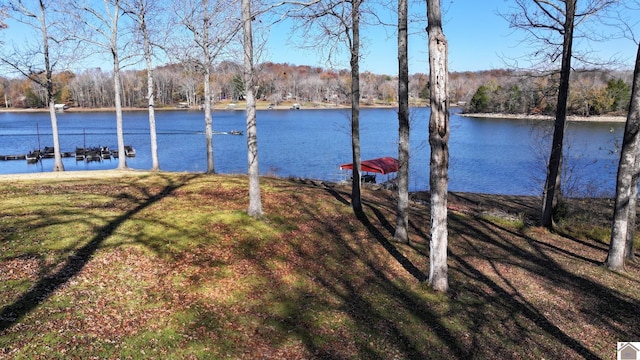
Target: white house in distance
[{"x": 61, "y": 107}]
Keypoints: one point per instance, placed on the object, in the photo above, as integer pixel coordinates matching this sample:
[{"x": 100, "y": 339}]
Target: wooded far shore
[{"x": 327, "y": 106}]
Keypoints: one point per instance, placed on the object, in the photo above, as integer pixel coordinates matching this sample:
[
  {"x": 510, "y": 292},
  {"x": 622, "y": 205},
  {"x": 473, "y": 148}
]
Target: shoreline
[
  {"x": 570, "y": 118},
  {"x": 326, "y": 106},
  {"x": 224, "y": 106},
  {"x": 73, "y": 174}
]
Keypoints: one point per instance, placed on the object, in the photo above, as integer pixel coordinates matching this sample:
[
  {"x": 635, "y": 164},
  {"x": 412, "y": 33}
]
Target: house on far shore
[
  {"x": 61, "y": 107},
  {"x": 628, "y": 352}
]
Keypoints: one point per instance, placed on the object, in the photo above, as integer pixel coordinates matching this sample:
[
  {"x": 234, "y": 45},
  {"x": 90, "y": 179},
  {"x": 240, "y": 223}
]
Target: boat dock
[{"x": 97, "y": 153}]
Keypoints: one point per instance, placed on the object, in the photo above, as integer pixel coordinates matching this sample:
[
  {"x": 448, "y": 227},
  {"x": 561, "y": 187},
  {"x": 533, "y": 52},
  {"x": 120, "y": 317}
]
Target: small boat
[
  {"x": 34, "y": 156},
  {"x": 80, "y": 153},
  {"x": 48, "y": 152},
  {"x": 129, "y": 151},
  {"x": 92, "y": 154},
  {"x": 235, "y": 132},
  {"x": 105, "y": 152}
]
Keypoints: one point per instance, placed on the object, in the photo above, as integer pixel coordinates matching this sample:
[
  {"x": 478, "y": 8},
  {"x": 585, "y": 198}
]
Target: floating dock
[{"x": 98, "y": 153}]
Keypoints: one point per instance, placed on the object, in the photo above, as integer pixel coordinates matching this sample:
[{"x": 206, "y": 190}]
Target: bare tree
[
  {"x": 250, "y": 86},
  {"x": 552, "y": 193},
  {"x": 199, "y": 17},
  {"x": 354, "y": 47},
  {"x": 622, "y": 228},
  {"x": 144, "y": 11},
  {"x": 552, "y": 23},
  {"x": 439, "y": 142},
  {"x": 402, "y": 219},
  {"x": 37, "y": 63},
  {"x": 339, "y": 21},
  {"x": 101, "y": 26}
]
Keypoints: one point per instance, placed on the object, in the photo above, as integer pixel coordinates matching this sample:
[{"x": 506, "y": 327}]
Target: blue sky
[{"x": 479, "y": 39}]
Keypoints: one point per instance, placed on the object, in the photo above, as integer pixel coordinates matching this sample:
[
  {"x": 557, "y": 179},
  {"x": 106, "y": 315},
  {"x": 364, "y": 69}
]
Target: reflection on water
[{"x": 487, "y": 155}]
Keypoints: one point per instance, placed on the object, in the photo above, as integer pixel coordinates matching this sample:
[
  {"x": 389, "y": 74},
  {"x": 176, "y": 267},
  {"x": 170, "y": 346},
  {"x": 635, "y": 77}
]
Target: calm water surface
[{"x": 487, "y": 155}]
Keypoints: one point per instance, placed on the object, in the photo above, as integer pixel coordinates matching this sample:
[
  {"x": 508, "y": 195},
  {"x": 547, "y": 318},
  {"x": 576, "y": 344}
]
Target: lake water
[{"x": 487, "y": 155}]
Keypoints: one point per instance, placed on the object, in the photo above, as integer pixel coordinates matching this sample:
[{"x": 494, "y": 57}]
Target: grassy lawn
[{"x": 169, "y": 266}]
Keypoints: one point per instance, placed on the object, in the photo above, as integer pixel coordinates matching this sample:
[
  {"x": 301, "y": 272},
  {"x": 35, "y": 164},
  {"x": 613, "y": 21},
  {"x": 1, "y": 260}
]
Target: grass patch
[{"x": 170, "y": 266}]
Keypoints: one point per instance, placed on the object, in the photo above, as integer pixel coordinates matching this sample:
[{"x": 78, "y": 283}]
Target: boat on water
[
  {"x": 33, "y": 156},
  {"x": 384, "y": 166},
  {"x": 48, "y": 152},
  {"x": 105, "y": 152},
  {"x": 80, "y": 153},
  {"x": 235, "y": 132},
  {"x": 129, "y": 151},
  {"x": 93, "y": 154}
]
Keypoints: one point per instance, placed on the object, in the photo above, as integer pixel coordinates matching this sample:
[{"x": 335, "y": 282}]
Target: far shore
[
  {"x": 229, "y": 106},
  {"x": 598, "y": 118},
  {"x": 225, "y": 105}
]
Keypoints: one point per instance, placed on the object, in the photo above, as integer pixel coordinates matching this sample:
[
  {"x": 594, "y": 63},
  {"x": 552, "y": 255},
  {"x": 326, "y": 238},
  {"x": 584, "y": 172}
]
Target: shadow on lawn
[
  {"x": 379, "y": 236},
  {"x": 378, "y": 308},
  {"x": 505, "y": 250},
  {"x": 319, "y": 282},
  {"x": 42, "y": 290},
  {"x": 504, "y": 317}
]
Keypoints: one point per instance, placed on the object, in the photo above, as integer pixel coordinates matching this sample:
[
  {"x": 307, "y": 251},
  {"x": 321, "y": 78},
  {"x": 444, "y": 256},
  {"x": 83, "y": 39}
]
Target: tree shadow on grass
[
  {"x": 504, "y": 250},
  {"x": 48, "y": 284},
  {"x": 485, "y": 278},
  {"x": 379, "y": 236},
  {"x": 350, "y": 286}
]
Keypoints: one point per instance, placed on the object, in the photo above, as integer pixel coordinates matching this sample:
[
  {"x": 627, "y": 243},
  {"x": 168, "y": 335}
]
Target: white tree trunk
[
  {"x": 627, "y": 171},
  {"x": 208, "y": 121},
  {"x": 255, "y": 202},
  {"x": 142, "y": 17},
  {"x": 439, "y": 142},
  {"x": 631, "y": 226},
  {"x": 57, "y": 161},
  {"x": 122, "y": 159}
]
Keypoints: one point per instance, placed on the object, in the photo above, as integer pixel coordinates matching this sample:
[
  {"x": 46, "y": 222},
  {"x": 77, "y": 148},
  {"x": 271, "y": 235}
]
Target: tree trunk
[
  {"x": 439, "y": 142},
  {"x": 626, "y": 180},
  {"x": 255, "y": 202},
  {"x": 551, "y": 194},
  {"x": 152, "y": 117},
  {"x": 152, "y": 120},
  {"x": 57, "y": 160},
  {"x": 122, "y": 159},
  {"x": 208, "y": 121},
  {"x": 631, "y": 227},
  {"x": 356, "y": 201},
  {"x": 402, "y": 215}
]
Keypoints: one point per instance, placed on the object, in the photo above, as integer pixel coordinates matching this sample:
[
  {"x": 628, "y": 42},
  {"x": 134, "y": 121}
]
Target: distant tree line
[
  {"x": 594, "y": 92},
  {"x": 180, "y": 85}
]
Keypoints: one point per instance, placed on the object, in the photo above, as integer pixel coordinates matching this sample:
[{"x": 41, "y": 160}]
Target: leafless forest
[{"x": 505, "y": 91}]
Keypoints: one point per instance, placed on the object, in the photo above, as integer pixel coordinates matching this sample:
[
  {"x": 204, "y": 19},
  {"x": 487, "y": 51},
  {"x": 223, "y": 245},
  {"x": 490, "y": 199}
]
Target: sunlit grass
[{"x": 170, "y": 266}]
